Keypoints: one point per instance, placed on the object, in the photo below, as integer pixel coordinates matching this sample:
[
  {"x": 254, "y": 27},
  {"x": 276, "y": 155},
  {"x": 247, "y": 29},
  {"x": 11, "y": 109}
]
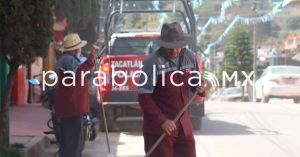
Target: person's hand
[
  {"x": 95, "y": 50},
  {"x": 169, "y": 126},
  {"x": 200, "y": 89}
]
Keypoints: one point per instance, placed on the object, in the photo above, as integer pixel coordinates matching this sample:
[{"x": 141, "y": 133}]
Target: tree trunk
[{"x": 4, "y": 112}]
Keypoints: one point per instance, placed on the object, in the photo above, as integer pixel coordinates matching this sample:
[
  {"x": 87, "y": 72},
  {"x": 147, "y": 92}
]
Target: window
[{"x": 132, "y": 45}]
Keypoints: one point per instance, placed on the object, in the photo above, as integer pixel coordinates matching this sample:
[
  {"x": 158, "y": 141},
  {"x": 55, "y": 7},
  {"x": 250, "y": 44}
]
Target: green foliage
[
  {"x": 238, "y": 55},
  {"x": 263, "y": 31},
  {"x": 13, "y": 151},
  {"x": 209, "y": 9},
  {"x": 293, "y": 23},
  {"x": 275, "y": 29},
  {"x": 147, "y": 21},
  {"x": 82, "y": 17},
  {"x": 25, "y": 33},
  {"x": 25, "y": 30},
  {"x": 140, "y": 21}
]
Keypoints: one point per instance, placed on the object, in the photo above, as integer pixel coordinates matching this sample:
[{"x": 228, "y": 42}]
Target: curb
[{"x": 35, "y": 146}]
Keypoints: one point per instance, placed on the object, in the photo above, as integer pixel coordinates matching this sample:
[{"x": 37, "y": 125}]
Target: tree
[
  {"x": 82, "y": 16},
  {"x": 25, "y": 33},
  {"x": 293, "y": 23},
  {"x": 238, "y": 55}
]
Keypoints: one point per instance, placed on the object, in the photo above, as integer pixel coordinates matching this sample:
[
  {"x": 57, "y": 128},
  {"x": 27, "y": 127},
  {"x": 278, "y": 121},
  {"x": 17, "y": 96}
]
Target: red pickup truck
[{"x": 129, "y": 29}]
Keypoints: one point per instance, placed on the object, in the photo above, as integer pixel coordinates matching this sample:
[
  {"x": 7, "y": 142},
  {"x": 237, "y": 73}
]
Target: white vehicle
[
  {"x": 230, "y": 94},
  {"x": 279, "y": 82}
]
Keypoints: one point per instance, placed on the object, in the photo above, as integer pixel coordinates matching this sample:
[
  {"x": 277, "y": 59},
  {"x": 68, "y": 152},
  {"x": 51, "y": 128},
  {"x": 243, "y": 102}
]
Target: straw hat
[
  {"x": 72, "y": 42},
  {"x": 172, "y": 36}
]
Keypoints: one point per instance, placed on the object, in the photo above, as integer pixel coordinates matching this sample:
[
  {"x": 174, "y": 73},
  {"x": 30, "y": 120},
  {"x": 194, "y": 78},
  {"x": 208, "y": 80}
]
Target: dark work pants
[
  {"x": 71, "y": 140},
  {"x": 171, "y": 146}
]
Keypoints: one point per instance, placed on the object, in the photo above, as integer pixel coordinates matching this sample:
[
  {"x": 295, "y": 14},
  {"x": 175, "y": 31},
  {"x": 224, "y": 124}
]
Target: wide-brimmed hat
[
  {"x": 172, "y": 36},
  {"x": 72, "y": 42}
]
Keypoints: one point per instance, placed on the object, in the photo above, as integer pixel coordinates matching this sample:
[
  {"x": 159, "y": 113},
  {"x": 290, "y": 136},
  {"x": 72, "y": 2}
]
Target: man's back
[{"x": 73, "y": 99}]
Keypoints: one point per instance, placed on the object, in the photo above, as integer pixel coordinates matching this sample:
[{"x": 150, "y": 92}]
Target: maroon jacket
[
  {"x": 162, "y": 102},
  {"x": 73, "y": 100}
]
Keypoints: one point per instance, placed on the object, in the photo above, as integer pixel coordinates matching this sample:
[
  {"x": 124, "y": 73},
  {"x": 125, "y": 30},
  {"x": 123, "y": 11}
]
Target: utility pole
[{"x": 254, "y": 55}]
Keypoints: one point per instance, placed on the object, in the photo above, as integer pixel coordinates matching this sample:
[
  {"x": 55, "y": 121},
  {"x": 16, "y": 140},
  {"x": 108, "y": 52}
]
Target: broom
[
  {"x": 99, "y": 55},
  {"x": 175, "y": 120},
  {"x": 106, "y": 133}
]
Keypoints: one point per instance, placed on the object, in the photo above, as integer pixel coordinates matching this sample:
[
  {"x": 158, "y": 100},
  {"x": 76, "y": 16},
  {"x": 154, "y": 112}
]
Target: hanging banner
[
  {"x": 245, "y": 21},
  {"x": 216, "y": 20}
]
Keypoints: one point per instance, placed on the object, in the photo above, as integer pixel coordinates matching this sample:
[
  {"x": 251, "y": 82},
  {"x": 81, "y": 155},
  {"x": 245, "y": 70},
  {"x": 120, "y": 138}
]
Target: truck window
[{"x": 130, "y": 45}]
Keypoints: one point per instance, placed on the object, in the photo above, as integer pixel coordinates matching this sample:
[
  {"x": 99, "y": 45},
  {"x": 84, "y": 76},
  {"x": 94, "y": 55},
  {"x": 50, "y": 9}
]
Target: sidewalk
[{"x": 27, "y": 124}]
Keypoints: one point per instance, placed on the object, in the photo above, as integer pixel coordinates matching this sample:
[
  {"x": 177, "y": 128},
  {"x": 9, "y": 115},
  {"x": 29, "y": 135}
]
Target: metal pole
[
  {"x": 254, "y": 62},
  {"x": 121, "y": 7},
  {"x": 174, "y": 7},
  {"x": 254, "y": 57}
]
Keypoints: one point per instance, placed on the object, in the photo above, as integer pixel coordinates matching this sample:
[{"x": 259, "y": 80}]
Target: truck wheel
[
  {"x": 296, "y": 100},
  {"x": 196, "y": 113},
  {"x": 266, "y": 99},
  {"x": 257, "y": 100},
  {"x": 196, "y": 122},
  {"x": 110, "y": 119}
]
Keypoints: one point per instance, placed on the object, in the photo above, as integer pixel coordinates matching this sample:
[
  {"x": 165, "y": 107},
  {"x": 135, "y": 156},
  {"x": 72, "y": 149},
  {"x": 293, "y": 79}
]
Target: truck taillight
[{"x": 105, "y": 70}]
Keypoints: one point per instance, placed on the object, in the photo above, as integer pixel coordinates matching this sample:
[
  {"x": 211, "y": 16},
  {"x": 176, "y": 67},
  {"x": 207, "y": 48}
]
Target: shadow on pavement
[
  {"x": 216, "y": 127},
  {"x": 97, "y": 148}
]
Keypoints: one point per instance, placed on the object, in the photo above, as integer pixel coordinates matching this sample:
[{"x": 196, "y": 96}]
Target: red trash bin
[{"x": 19, "y": 91}]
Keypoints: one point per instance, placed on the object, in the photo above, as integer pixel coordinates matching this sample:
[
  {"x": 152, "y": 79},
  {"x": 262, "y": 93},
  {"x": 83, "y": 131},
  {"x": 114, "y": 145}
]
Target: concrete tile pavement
[
  {"x": 122, "y": 145},
  {"x": 27, "y": 121},
  {"x": 27, "y": 124}
]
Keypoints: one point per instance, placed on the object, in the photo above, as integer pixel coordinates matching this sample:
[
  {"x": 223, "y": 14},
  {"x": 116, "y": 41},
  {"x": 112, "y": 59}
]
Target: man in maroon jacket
[
  {"x": 165, "y": 91},
  {"x": 71, "y": 96}
]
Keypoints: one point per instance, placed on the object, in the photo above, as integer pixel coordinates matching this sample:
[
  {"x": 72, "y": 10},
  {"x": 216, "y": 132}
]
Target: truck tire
[
  {"x": 196, "y": 113},
  {"x": 110, "y": 119},
  {"x": 196, "y": 122},
  {"x": 266, "y": 99},
  {"x": 296, "y": 100}
]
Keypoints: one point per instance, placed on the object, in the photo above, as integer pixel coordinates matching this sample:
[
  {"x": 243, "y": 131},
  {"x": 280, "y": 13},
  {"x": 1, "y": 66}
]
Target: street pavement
[
  {"x": 229, "y": 130},
  {"x": 250, "y": 130},
  {"x": 27, "y": 121}
]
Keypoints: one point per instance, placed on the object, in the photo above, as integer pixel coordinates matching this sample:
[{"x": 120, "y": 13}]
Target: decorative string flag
[
  {"x": 216, "y": 20},
  {"x": 286, "y": 2},
  {"x": 197, "y": 3},
  {"x": 246, "y": 21}
]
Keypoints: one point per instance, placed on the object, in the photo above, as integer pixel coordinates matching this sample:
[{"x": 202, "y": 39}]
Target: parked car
[
  {"x": 279, "y": 82},
  {"x": 230, "y": 94}
]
